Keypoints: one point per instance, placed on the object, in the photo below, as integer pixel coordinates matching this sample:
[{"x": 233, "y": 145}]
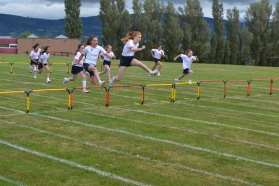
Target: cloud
[{"x": 54, "y": 9}]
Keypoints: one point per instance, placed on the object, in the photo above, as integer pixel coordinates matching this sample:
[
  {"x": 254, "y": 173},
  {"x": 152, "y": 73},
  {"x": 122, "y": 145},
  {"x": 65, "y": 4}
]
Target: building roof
[
  {"x": 61, "y": 37},
  {"x": 32, "y": 36}
]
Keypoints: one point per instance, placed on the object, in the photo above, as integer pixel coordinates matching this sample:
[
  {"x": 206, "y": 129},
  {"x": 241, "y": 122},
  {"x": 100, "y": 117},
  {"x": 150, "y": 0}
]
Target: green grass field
[{"x": 210, "y": 141}]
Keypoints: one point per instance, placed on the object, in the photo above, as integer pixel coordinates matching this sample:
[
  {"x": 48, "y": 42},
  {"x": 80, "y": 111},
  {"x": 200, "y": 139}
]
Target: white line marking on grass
[
  {"x": 219, "y": 115},
  {"x": 160, "y": 140},
  {"x": 132, "y": 155},
  {"x": 200, "y": 121},
  {"x": 11, "y": 181},
  {"x": 185, "y": 130},
  {"x": 73, "y": 164}
]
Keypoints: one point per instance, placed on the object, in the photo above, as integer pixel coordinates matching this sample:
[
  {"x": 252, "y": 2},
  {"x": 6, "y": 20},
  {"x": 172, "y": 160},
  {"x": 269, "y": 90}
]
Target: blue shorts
[
  {"x": 126, "y": 60},
  {"x": 156, "y": 60},
  {"x": 34, "y": 62},
  {"x": 86, "y": 66},
  {"x": 186, "y": 71},
  {"x": 107, "y": 63},
  {"x": 76, "y": 69}
]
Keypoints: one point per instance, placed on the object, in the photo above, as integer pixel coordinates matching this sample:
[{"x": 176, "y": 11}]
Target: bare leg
[
  {"x": 120, "y": 74},
  {"x": 73, "y": 78},
  {"x": 160, "y": 65},
  {"x": 154, "y": 66},
  {"x": 107, "y": 71},
  {"x": 181, "y": 76},
  {"x": 136, "y": 62}
]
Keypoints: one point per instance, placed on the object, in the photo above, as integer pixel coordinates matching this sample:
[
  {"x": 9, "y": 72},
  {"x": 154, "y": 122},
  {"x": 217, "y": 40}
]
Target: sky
[{"x": 54, "y": 9}]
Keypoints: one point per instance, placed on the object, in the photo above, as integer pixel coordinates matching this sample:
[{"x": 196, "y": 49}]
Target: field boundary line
[
  {"x": 132, "y": 155},
  {"x": 12, "y": 181},
  {"x": 71, "y": 163}
]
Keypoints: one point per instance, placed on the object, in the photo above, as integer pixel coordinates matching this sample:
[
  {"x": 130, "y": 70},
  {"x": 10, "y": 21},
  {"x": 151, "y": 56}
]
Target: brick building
[
  {"x": 58, "y": 46},
  {"x": 8, "y": 45}
]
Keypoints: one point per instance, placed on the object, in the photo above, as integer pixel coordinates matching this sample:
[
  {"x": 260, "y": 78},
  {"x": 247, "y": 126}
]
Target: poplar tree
[
  {"x": 258, "y": 22},
  {"x": 153, "y": 12},
  {"x": 233, "y": 27},
  {"x": 246, "y": 38},
  {"x": 275, "y": 31},
  {"x": 73, "y": 23},
  {"x": 196, "y": 29},
  {"x": 173, "y": 34},
  {"x": 217, "y": 12},
  {"x": 116, "y": 21}
]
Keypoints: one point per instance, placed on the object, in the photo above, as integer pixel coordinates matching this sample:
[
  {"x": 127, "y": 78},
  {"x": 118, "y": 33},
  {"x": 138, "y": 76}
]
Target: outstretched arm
[{"x": 177, "y": 57}]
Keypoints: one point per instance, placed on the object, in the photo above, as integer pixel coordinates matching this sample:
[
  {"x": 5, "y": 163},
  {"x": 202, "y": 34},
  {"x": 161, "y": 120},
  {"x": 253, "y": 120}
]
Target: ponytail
[{"x": 130, "y": 35}]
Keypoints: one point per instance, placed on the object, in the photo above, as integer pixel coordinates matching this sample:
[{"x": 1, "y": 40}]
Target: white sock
[
  {"x": 34, "y": 71},
  {"x": 83, "y": 83}
]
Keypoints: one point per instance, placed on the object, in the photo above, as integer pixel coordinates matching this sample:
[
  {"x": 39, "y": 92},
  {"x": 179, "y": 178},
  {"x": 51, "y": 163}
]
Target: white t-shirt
[
  {"x": 127, "y": 48},
  {"x": 187, "y": 61},
  {"x": 158, "y": 53},
  {"x": 80, "y": 64},
  {"x": 35, "y": 55},
  {"x": 44, "y": 58},
  {"x": 92, "y": 54},
  {"x": 111, "y": 54}
]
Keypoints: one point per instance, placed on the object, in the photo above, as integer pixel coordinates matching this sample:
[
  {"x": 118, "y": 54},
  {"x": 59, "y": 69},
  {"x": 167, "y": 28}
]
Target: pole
[
  {"x": 248, "y": 88},
  {"x": 28, "y": 101},
  {"x": 271, "y": 87},
  {"x": 225, "y": 88},
  {"x": 142, "y": 93},
  {"x": 11, "y": 67},
  {"x": 199, "y": 90}
]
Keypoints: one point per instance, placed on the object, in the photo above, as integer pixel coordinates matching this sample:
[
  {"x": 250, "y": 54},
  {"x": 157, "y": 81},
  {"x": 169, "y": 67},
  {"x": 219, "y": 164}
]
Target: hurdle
[
  {"x": 11, "y": 67},
  {"x": 70, "y": 96},
  {"x": 121, "y": 86}
]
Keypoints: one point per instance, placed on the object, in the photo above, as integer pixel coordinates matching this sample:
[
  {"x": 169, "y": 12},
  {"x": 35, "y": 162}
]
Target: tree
[
  {"x": 196, "y": 29},
  {"x": 233, "y": 27},
  {"x": 139, "y": 22},
  {"x": 258, "y": 22},
  {"x": 173, "y": 34},
  {"x": 227, "y": 53},
  {"x": 246, "y": 38},
  {"x": 24, "y": 34},
  {"x": 274, "y": 31},
  {"x": 73, "y": 24},
  {"x": 217, "y": 12},
  {"x": 153, "y": 12},
  {"x": 116, "y": 21}
]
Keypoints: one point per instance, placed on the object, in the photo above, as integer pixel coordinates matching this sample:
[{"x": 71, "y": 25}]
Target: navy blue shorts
[
  {"x": 156, "y": 60},
  {"x": 76, "y": 69},
  {"x": 34, "y": 62},
  {"x": 126, "y": 60},
  {"x": 86, "y": 66},
  {"x": 107, "y": 63},
  {"x": 40, "y": 65},
  {"x": 186, "y": 71}
]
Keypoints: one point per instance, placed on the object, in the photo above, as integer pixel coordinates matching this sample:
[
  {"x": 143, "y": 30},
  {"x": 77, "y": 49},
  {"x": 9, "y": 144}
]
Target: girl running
[
  {"x": 77, "y": 68},
  {"x": 92, "y": 53},
  {"x": 34, "y": 57},
  {"x": 43, "y": 62},
  {"x": 188, "y": 59},
  {"x": 131, "y": 42},
  {"x": 157, "y": 54},
  {"x": 107, "y": 61}
]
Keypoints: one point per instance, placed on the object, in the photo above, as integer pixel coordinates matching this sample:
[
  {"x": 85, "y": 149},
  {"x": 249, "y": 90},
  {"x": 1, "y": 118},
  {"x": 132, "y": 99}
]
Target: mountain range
[{"x": 14, "y": 26}]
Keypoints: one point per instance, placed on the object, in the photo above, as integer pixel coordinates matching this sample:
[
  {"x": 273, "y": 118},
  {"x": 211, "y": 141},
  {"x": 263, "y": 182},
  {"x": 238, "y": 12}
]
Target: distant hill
[{"x": 11, "y": 25}]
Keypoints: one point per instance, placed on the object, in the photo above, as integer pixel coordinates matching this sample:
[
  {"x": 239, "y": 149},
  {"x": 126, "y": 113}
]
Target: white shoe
[
  {"x": 158, "y": 74},
  {"x": 100, "y": 73},
  {"x": 102, "y": 83},
  {"x": 153, "y": 72},
  {"x": 85, "y": 91},
  {"x": 190, "y": 81},
  {"x": 35, "y": 77},
  {"x": 65, "y": 81},
  {"x": 48, "y": 81},
  {"x": 176, "y": 80},
  {"x": 111, "y": 81}
]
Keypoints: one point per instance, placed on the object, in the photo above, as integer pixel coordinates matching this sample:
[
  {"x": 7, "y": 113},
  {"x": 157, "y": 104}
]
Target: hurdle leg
[{"x": 271, "y": 87}]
